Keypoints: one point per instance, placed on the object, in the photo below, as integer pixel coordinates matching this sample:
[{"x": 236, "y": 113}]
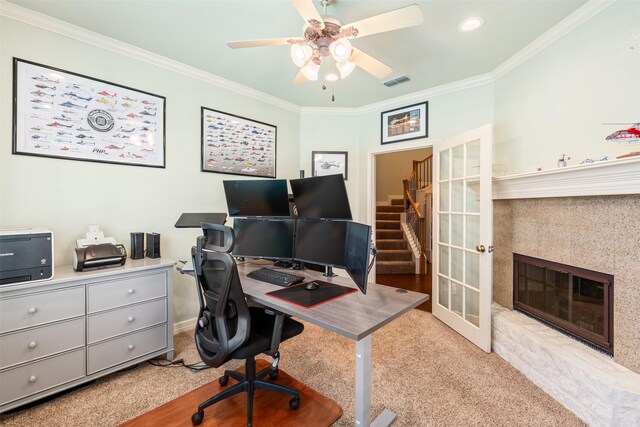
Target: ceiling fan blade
[
  {"x": 394, "y": 20},
  {"x": 308, "y": 11},
  {"x": 300, "y": 79},
  {"x": 370, "y": 64},
  {"x": 259, "y": 43}
]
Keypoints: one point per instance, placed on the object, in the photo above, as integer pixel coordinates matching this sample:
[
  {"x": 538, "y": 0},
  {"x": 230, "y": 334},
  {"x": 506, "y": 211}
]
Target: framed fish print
[
  {"x": 329, "y": 163},
  {"x": 236, "y": 145},
  {"x": 404, "y": 124},
  {"x": 65, "y": 115}
]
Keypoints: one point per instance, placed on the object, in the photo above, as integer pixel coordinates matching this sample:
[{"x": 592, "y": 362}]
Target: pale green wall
[
  {"x": 556, "y": 103},
  {"x": 66, "y": 196},
  {"x": 334, "y": 132}
]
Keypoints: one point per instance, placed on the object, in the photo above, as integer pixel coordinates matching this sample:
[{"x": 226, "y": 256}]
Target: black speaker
[
  {"x": 301, "y": 173},
  {"x": 137, "y": 246},
  {"x": 153, "y": 245}
]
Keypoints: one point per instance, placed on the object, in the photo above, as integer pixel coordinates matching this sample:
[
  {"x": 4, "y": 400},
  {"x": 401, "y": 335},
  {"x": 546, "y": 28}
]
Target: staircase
[{"x": 393, "y": 255}]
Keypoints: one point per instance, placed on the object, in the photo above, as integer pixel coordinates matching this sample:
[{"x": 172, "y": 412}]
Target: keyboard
[{"x": 275, "y": 277}]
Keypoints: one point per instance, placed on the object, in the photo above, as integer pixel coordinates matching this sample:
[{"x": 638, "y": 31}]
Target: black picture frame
[
  {"x": 66, "y": 115},
  {"x": 237, "y": 145},
  {"x": 405, "y": 124},
  {"x": 330, "y": 163}
]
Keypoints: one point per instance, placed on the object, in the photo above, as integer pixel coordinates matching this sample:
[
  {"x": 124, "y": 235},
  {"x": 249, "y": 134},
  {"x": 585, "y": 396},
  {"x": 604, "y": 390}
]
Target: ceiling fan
[{"x": 326, "y": 38}]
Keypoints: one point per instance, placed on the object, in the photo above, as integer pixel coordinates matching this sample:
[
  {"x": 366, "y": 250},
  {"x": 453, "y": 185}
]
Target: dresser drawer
[
  {"x": 34, "y": 343},
  {"x": 40, "y": 308},
  {"x": 106, "y": 295},
  {"x": 108, "y": 324},
  {"x": 39, "y": 376},
  {"x": 119, "y": 350}
]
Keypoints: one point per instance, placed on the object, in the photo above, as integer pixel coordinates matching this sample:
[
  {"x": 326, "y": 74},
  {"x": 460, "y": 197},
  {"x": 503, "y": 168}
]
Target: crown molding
[
  {"x": 567, "y": 25},
  {"x": 48, "y": 23},
  {"x": 411, "y": 98}
]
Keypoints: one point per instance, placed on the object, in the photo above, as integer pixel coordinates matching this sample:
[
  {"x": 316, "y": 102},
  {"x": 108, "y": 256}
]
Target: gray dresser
[{"x": 81, "y": 326}]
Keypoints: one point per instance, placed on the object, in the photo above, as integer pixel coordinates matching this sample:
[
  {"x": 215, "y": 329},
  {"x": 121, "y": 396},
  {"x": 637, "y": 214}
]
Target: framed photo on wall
[
  {"x": 404, "y": 124},
  {"x": 236, "y": 145},
  {"x": 65, "y": 115},
  {"x": 329, "y": 163}
]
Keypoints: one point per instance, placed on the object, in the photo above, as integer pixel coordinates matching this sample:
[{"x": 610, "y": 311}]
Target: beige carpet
[{"x": 422, "y": 370}]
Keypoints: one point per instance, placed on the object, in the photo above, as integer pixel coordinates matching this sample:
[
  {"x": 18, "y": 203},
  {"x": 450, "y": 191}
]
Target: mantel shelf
[{"x": 597, "y": 179}]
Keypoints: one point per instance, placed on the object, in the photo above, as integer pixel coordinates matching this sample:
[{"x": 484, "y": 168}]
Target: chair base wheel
[
  {"x": 197, "y": 417},
  {"x": 294, "y": 403},
  {"x": 223, "y": 380},
  {"x": 274, "y": 374}
]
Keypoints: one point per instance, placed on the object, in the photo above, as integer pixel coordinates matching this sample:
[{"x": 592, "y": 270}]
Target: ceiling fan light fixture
[
  {"x": 331, "y": 77},
  {"x": 340, "y": 50},
  {"x": 471, "y": 24},
  {"x": 345, "y": 68},
  {"x": 310, "y": 71},
  {"x": 300, "y": 54}
]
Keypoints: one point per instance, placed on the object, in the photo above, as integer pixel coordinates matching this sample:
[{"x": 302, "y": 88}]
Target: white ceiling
[{"x": 195, "y": 32}]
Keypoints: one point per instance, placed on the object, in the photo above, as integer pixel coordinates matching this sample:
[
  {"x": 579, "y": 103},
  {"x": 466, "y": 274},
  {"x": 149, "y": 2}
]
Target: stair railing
[{"x": 419, "y": 179}]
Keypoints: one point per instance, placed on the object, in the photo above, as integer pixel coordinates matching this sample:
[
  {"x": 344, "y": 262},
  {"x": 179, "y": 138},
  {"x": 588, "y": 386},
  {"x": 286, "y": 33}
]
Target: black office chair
[{"x": 228, "y": 328}]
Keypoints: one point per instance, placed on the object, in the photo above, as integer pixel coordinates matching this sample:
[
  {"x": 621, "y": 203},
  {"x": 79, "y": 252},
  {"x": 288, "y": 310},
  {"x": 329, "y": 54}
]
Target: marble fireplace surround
[{"x": 600, "y": 233}]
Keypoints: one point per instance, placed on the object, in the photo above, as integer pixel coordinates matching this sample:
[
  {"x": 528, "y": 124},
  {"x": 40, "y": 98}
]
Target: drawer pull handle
[
  {"x": 131, "y": 346},
  {"x": 33, "y": 344},
  {"x": 32, "y": 379},
  {"x": 33, "y": 310},
  {"x": 131, "y": 291},
  {"x": 131, "y": 319}
]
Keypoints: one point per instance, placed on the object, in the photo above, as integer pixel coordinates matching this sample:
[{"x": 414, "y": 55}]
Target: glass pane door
[{"x": 462, "y": 261}]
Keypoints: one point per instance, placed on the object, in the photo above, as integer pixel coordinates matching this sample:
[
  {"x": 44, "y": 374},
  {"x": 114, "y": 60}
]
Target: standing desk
[{"x": 355, "y": 316}]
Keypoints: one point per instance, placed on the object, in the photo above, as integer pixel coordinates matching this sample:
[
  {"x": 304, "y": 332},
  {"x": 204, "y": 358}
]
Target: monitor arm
[{"x": 374, "y": 252}]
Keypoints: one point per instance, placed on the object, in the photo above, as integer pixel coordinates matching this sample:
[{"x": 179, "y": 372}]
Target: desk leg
[{"x": 363, "y": 388}]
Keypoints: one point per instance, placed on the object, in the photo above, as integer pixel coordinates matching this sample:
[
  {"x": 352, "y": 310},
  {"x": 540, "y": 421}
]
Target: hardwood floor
[
  {"x": 270, "y": 409},
  {"x": 410, "y": 282}
]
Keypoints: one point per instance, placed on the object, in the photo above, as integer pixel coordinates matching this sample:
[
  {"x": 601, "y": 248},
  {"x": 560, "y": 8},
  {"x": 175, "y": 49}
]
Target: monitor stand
[
  {"x": 329, "y": 272},
  {"x": 283, "y": 264},
  {"x": 298, "y": 265}
]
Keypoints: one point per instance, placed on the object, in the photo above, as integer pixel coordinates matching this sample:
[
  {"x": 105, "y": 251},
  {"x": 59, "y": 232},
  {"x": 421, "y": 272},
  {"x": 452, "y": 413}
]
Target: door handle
[{"x": 480, "y": 248}]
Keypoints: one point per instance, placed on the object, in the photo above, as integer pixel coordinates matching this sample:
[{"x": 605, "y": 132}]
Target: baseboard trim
[{"x": 184, "y": 326}]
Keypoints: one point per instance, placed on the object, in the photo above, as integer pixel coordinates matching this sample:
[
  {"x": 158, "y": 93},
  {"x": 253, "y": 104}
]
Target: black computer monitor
[
  {"x": 262, "y": 238},
  {"x": 321, "y": 197},
  {"x": 320, "y": 242},
  {"x": 356, "y": 253},
  {"x": 257, "y": 197}
]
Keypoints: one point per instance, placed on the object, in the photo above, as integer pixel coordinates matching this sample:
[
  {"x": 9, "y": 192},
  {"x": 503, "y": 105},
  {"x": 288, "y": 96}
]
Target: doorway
[{"x": 396, "y": 230}]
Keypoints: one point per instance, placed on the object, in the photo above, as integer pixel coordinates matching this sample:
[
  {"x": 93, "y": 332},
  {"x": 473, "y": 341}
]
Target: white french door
[{"x": 462, "y": 234}]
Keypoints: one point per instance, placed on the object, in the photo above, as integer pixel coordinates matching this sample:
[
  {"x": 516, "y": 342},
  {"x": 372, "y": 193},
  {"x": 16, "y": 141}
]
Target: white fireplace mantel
[{"x": 603, "y": 178}]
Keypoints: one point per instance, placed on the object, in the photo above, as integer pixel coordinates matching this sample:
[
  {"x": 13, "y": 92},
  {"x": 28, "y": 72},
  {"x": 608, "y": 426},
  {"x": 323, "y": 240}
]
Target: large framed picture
[
  {"x": 236, "y": 145},
  {"x": 405, "y": 123},
  {"x": 65, "y": 115},
  {"x": 329, "y": 163}
]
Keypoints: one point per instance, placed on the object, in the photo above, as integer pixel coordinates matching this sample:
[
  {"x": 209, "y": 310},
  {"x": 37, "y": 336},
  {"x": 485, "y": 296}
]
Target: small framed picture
[
  {"x": 404, "y": 124},
  {"x": 237, "y": 145},
  {"x": 329, "y": 163}
]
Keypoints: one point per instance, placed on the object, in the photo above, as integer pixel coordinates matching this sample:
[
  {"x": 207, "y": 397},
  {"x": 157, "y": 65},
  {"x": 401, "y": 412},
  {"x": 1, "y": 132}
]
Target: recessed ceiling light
[{"x": 471, "y": 24}]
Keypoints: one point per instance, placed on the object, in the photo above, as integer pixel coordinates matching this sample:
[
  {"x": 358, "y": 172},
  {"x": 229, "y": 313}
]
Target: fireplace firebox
[{"x": 574, "y": 300}]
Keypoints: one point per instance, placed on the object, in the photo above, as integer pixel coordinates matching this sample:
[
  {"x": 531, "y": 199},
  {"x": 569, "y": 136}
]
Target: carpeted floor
[{"x": 422, "y": 370}]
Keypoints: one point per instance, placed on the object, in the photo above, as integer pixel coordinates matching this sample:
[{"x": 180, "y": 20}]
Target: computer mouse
[{"x": 311, "y": 286}]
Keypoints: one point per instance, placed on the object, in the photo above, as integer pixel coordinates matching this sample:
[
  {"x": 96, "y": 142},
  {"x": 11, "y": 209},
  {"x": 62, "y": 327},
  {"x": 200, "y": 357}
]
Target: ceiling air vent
[{"x": 396, "y": 81}]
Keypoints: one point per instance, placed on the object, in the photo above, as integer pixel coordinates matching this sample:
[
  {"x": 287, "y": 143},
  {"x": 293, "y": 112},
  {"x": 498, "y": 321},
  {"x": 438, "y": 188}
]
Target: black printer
[{"x": 26, "y": 255}]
